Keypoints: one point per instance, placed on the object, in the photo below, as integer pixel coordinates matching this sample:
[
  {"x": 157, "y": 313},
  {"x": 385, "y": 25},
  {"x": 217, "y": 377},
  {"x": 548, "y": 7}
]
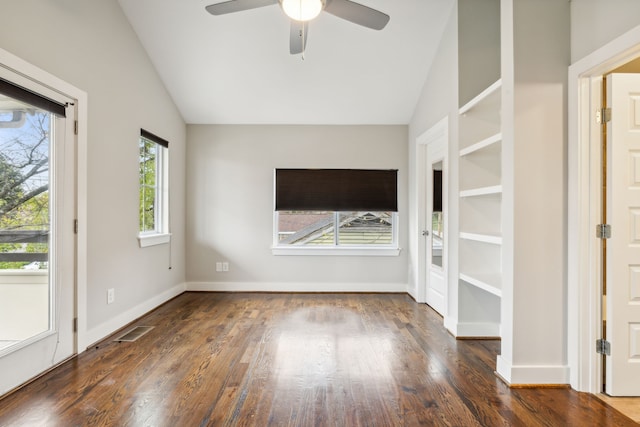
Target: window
[
  {"x": 153, "y": 180},
  {"x": 335, "y": 211}
]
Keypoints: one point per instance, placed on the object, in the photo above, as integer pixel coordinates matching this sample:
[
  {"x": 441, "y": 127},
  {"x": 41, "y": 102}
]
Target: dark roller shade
[
  {"x": 336, "y": 190},
  {"x": 31, "y": 98},
  {"x": 437, "y": 191},
  {"x": 151, "y": 137}
]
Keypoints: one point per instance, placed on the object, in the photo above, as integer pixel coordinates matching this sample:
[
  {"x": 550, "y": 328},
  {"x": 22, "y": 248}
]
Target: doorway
[
  {"x": 433, "y": 216},
  {"x": 38, "y": 269},
  {"x": 587, "y": 263}
]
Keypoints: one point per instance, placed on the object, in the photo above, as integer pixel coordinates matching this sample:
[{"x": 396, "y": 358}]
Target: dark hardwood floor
[{"x": 293, "y": 360}]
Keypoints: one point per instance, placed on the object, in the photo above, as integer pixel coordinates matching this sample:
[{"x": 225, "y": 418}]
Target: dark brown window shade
[
  {"x": 336, "y": 190},
  {"x": 151, "y": 137},
  {"x": 31, "y": 98}
]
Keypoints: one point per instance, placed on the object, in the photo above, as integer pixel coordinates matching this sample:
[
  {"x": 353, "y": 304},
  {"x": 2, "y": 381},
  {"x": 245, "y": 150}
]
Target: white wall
[
  {"x": 438, "y": 99},
  {"x": 230, "y": 205},
  {"x": 478, "y": 47},
  {"x": 91, "y": 45},
  {"x": 535, "y": 60},
  {"x": 597, "y": 22}
]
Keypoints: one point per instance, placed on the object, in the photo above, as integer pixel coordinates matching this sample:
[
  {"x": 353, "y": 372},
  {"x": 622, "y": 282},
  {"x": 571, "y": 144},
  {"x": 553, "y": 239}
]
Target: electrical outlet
[
  {"x": 218, "y": 266},
  {"x": 225, "y": 266},
  {"x": 111, "y": 295}
]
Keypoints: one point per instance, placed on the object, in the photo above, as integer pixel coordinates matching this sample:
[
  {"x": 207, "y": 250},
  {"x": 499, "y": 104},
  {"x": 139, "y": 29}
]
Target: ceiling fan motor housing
[{"x": 302, "y": 10}]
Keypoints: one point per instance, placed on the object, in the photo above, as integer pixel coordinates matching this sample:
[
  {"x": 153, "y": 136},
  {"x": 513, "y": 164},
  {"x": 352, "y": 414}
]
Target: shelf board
[
  {"x": 487, "y": 142},
  {"x": 485, "y": 281},
  {"x": 481, "y": 97},
  {"x": 482, "y": 191},
  {"x": 485, "y": 238}
]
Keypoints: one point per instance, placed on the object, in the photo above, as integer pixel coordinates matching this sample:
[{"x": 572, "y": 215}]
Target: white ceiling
[{"x": 236, "y": 68}]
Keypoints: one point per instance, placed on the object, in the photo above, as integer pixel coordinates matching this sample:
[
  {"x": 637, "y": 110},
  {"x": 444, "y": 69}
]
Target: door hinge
[
  {"x": 75, "y": 226},
  {"x": 603, "y": 347},
  {"x": 603, "y": 115},
  {"x": 603, "y": 231},
  {"x": 75, "y": 127},
  {"x": 75, "y": 324}
]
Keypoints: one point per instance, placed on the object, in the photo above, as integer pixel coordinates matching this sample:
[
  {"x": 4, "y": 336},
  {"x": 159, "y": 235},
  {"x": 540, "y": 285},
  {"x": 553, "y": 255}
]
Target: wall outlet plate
[{"x": 111, "y": 295}]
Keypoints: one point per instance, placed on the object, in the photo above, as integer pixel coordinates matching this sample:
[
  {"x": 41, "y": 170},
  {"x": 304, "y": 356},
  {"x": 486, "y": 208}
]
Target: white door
[
  {"x": 623, "y": 248},
  {"x": 37, "y": 267},
  {"x": 435, "y": 226}
]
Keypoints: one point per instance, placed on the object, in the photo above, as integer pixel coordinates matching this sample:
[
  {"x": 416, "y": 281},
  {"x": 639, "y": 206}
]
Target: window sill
[
  {"x": 335, "y": 251},
  {"x": 146, "y": 240}
]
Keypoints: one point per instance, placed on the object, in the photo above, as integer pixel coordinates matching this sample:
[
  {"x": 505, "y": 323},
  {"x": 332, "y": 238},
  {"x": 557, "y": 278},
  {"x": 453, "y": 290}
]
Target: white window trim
[
  {"x": 335, "y": 250},
  {"x": 152, "y": 239},
  {"x": 340, "y": 250},
  {"x": 161, "y": 234}
]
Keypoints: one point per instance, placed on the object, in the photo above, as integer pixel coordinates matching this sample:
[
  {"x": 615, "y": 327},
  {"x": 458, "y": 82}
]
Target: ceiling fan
[{"x": 302, "y": 11}]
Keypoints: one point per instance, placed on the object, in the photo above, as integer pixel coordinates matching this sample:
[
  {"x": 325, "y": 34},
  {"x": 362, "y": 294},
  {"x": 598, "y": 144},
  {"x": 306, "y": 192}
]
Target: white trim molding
[
  {"x": 515, "y": 375},
  {"x": 438, "y": 132},
  {"x": 335, "y": 251},
  {"x": 474, "y": 329},
  {"x": 583, "y": 301},
  {"x": 107, "y": 328},
  {"x": 146, "y": 240},
  {"x": 11, "y": 62},
  {"x": 363, "y": 287}
]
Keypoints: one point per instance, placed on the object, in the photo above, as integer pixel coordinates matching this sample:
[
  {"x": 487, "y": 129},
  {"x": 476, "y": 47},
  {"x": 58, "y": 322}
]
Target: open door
[
  {"x": 436, "y": 282},
  {"x": 622, "y": 259}
]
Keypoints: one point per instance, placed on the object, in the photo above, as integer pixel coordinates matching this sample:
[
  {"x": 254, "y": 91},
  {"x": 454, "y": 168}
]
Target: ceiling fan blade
[
  {"x": 237, "y": 6},
  {"x": 298, "y": 37},
  {"x": 357, "y": 13}
]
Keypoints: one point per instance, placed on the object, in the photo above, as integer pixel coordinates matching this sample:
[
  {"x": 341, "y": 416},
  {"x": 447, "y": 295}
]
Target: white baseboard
[
  {"x": 296, "y": 287},
  {"x": 451, "y": 325},
  {"x": 413, "y": 294},
  {"x": 105, "y": 329},
  {"x": 474, "y": 329},
  {"x": 516, "y": 375}
]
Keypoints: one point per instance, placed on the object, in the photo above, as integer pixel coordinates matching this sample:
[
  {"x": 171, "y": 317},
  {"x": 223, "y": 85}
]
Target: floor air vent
[{"x": 134, "y": 334}]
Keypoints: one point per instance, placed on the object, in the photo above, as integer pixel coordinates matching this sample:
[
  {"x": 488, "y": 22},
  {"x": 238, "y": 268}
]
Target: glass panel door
[
  {"x": 37, "y": 240},
  {"x": 25, "y": 218}
]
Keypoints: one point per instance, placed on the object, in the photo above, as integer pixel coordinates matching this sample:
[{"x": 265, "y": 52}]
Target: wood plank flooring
[
  {"x": 629, "y": 406},
  {"x": 225, "y": 359}
]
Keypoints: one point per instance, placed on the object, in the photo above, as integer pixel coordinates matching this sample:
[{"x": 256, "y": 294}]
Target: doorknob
[{"x": 425, "y": 232}]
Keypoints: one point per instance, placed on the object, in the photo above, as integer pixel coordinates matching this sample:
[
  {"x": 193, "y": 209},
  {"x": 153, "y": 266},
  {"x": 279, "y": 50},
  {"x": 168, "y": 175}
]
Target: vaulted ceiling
[{"x": 236, "y": 68}]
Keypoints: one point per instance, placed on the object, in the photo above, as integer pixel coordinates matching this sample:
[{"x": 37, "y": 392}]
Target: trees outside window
[{"x": 24, "y": 185}]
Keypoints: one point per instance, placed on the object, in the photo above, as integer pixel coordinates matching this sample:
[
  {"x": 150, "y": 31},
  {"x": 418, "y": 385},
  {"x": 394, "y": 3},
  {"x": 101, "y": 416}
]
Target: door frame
[
  {"x": 584, "y": 260},
  {"x": 438, "y": 132},
  {"x": 42, "y": 77}
]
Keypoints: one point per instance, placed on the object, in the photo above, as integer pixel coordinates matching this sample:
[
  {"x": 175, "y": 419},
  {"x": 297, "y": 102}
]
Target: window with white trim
[
  {"x": 335, "y": 211},
  {"x": 153, "y": 214}
]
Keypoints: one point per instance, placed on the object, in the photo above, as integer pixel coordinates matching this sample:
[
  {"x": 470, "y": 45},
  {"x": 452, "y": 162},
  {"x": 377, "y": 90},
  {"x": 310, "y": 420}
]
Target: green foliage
[
  {"x": 35, "y": 213},
  {"x": 10, "y": 179},
  {"x": 24, "y": 196},
  {"x": 147, "y": 174}
]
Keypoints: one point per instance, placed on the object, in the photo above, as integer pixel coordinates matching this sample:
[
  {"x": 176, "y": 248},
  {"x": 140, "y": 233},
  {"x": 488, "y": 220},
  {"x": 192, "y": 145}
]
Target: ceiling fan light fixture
[{"x": 302, "y": 10}]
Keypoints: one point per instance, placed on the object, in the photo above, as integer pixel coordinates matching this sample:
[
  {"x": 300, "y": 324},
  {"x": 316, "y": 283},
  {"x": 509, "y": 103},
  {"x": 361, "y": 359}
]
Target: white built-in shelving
[
  {"x": 482, "y": 191},
  {"x": 480, "y": 183}
]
